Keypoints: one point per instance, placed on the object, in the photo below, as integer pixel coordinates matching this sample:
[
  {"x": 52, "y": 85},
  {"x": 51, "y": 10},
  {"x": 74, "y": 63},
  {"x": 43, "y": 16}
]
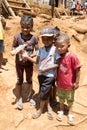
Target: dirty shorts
[
  {"x": 2, "y": 46},
  {"x": 45, "y": 86},
  {"x": 67, "y": 95}
]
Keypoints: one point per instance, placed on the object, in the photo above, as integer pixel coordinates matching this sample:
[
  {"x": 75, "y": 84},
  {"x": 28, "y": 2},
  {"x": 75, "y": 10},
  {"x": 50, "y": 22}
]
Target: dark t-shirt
[{"x": 31, "y": 41}]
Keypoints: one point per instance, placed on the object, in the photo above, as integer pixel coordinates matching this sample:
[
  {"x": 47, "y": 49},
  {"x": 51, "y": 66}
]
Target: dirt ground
[{"x": 13, "y": 119}]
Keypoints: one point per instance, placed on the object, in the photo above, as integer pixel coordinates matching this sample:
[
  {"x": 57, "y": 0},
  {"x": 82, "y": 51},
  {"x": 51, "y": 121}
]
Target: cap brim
[{"x": 49, "y": 35}]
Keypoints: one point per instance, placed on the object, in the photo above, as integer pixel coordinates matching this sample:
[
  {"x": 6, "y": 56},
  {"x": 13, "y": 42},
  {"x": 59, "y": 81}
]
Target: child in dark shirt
[{"x": 31, "y": 42}]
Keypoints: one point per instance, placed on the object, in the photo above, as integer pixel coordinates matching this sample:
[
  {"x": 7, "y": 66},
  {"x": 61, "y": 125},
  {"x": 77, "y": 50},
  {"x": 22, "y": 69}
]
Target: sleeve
[
  {"x": 15, "y": 41},
  {"x": 75, "y": 62},
  {"x": 33, "y": 41}
]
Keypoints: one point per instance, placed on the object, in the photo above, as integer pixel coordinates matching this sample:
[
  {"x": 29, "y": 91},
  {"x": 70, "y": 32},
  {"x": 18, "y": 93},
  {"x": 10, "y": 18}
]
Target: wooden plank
[
  {"x": 3, "y": 5},
  {"x": 25, "y": 12},
  {"x": 9, "y": 8},
  {"x": 18, "y": 2},
  {"x": 21, "y": 8}
]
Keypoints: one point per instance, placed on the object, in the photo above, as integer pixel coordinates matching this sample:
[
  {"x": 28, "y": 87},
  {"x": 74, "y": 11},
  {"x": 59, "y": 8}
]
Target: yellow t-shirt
[{"x": 1, "y": 31}]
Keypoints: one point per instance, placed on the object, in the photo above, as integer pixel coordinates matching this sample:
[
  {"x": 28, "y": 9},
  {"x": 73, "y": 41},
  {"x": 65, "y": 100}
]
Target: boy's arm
[
  {"x": 48, "y": 68},
  {"x": 76, "y": 84},
  {"x": 33, "y": 60},
  {"x": 36, "y": 48}
]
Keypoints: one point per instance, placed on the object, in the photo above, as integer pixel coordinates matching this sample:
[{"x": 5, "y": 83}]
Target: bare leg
[
  {"x": 30, "y": 90},
  {"x": 70, "y": 115},
  {"x": 60, "y": 113},
  {"x": 48, "y": 106},
  {"x": 19, "y": 97},
  {"x": 19, "y": 91},
  {"x": 1, "y": 59},
  {"x": 50, "y": 117},
  {"x": 39, "y": 112},
  {"x": 70, "y": 107}
]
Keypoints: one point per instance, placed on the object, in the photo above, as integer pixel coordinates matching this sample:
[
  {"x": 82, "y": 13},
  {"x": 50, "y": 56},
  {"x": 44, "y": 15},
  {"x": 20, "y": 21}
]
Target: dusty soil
[{"x": 13, "y": 119}]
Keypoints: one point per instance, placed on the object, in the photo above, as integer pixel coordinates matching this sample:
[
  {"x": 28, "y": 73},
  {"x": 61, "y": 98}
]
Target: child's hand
[
  {"x": 25, "y": 55},
  {"x": 76, "y": 86},
  {"x": 21, "y": 52},
  {"x": 42, "y": 70}
]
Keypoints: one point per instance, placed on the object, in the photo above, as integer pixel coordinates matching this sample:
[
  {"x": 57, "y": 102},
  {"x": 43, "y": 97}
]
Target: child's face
[
  {"x": 62, "y": 46},
  {"x": 25, "y": 28},
  {"x": 47, "y": 41}
]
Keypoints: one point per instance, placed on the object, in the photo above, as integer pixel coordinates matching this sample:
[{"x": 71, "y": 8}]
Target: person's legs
[
  {"x": 61, "y": 94},
  {"x": 70, "y": 100},
  {"x": 53, "y": 99},
  {"x": 49, "y": 113},
  {"x": 1, "y": 59},
  {"x": 29, "y": 74},
  {"x": 60, "y": 112},
  {"x": 1, "y": 52},
  {"x": 19, "y": 91},
  {"x": 19, "y": 70},
  {"x": 39, "y": 111},
  {"x": 44, "y": 93},
  {"x": 19, "y": 97}
]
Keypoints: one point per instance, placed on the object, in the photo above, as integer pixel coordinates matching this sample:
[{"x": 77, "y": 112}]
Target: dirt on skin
[{"x": 13, "y": 119}]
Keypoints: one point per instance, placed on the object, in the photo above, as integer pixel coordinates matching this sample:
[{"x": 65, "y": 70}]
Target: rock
[{"x": 18, "y": 119}]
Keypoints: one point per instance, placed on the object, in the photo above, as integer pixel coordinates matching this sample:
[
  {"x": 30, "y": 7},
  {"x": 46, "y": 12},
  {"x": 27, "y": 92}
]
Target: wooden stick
[
  {"x": 9, "y": 8},
  {"x": 15, "y": 2},
  {"x": 21, "y": 8}
]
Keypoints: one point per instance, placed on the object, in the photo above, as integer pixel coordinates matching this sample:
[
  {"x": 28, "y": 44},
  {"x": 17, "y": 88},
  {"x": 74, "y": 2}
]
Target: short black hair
[
  {"x": 56, "y": 30},
  {"x": 63, "y": 37},
  {"x": 26, "y": 18}
]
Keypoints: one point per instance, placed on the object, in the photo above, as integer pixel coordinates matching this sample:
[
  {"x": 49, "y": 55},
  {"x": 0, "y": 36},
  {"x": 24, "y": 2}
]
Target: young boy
[
  {"x": 2, "y": 48},
  {"x": 24, "y": 38},
  {"x": 68, "y": 76},
  {"x": 47, "y": 59}
]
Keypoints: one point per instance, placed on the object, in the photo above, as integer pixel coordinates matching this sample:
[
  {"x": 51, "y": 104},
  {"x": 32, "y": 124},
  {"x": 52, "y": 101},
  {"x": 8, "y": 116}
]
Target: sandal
[
  {"x": 36, "y": 114},
  {"x": 50, "y": 117},
  {"x": 59, "y": 116},
  {"x": 70, "y": 119},
  {"x": 19, "y": 104},
  {"x": 32, "y": 102}
]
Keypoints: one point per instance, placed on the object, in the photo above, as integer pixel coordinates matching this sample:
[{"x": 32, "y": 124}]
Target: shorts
[
  {"x": 67, "y": 95},
  {"x": 45, "y": 86},
  {"x": 2, "y": 48},
  {"x": 20, "y": 71}
]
